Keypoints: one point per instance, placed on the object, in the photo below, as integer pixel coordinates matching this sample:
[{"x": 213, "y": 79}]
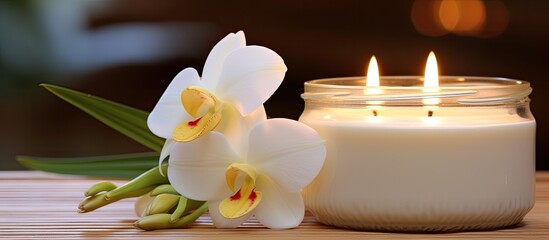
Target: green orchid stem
[
  {"x": 99, "y": 187},
  {"x": 94, "y": 202},
  {"x": 162, "y": 220},
  {"x": 164, "y": 188},
  {"x": 147, "y": 179},
  {"x": 185, "y": 205},
  {"x": 140, "y": 185}
]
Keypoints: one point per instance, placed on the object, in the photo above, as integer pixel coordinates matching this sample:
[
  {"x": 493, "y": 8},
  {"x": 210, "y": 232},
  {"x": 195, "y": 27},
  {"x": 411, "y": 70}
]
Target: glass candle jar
[{"x": 404, "y": 158}]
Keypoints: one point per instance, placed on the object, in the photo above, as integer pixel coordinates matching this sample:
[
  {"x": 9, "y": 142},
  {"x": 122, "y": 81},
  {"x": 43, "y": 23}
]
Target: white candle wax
[
  {"x": 461, "y": 168},
  {"x": 394, "y": 171}
]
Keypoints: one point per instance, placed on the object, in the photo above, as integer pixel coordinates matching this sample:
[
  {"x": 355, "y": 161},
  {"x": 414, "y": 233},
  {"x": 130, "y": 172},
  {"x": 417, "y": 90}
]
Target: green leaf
[
  {"x": 125, "y": 166},
  {"x": 129, "y": 121}
]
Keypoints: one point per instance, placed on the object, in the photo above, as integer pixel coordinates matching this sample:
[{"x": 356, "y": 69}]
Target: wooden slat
[{"x": 43, "y": 206}]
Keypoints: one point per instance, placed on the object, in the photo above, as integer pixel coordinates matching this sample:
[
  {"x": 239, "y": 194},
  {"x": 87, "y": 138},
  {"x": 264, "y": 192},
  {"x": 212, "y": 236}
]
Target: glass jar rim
[{"x": 409, "y": 90}]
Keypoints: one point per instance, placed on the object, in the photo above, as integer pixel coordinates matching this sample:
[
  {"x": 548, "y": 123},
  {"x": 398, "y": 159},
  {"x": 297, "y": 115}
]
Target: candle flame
[
  {"x": 431, "y": 79},
  {"x": 431, "y": 72},
  {"x": 372, "y": 77}
]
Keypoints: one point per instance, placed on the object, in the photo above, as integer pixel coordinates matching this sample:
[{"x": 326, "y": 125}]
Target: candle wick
[
  {"x": 374, "y": 112},
  {"x": 430, "y": 113}
]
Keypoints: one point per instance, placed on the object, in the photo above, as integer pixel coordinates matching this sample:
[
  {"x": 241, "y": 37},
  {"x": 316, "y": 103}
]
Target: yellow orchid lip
[
  {"x": 203, "y": 106},
  {"x": 246, "y": 198},
  {"x": 234, "y": 170}
]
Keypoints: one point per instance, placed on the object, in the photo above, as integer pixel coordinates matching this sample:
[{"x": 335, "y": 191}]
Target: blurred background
[{"x": 129, "y": 50}]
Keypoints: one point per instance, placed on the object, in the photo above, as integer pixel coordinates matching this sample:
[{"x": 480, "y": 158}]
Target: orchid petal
[
  {"x": 168, "y": 112},
  {"x": 222, "y": 222},
  {"x": 212, "y": 68},
  {"x": 278, "y": 209},
  {"x": 166, "y": 149},
  {"x": 197, "y": 169},
  {"x": 236, "y": 128},
  {"x": 289, "y": 152},
  {"x": 250, "y": 75}
]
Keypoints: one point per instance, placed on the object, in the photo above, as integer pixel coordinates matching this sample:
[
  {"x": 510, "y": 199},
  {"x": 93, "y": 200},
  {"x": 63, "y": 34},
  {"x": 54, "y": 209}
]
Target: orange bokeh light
[
  {"x": 482, "y": 18},
  {"x": 425, "y": 18},
  {"x": 449, "y": 14}
]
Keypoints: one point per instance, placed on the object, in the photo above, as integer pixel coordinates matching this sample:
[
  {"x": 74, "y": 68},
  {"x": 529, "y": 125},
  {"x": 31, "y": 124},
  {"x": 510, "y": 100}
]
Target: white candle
[
  {"x": 405, "y": 174},
  {"x": 468, "y": 166}
]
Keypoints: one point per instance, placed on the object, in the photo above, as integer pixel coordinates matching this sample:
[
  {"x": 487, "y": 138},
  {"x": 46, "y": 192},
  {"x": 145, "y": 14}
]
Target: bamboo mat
[{"x": 36, "y": 205}]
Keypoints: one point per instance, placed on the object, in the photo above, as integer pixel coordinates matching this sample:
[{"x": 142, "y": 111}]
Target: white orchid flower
[
  {"x": 236, "y": 81},
  {"x": 283, "y": 156}
]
